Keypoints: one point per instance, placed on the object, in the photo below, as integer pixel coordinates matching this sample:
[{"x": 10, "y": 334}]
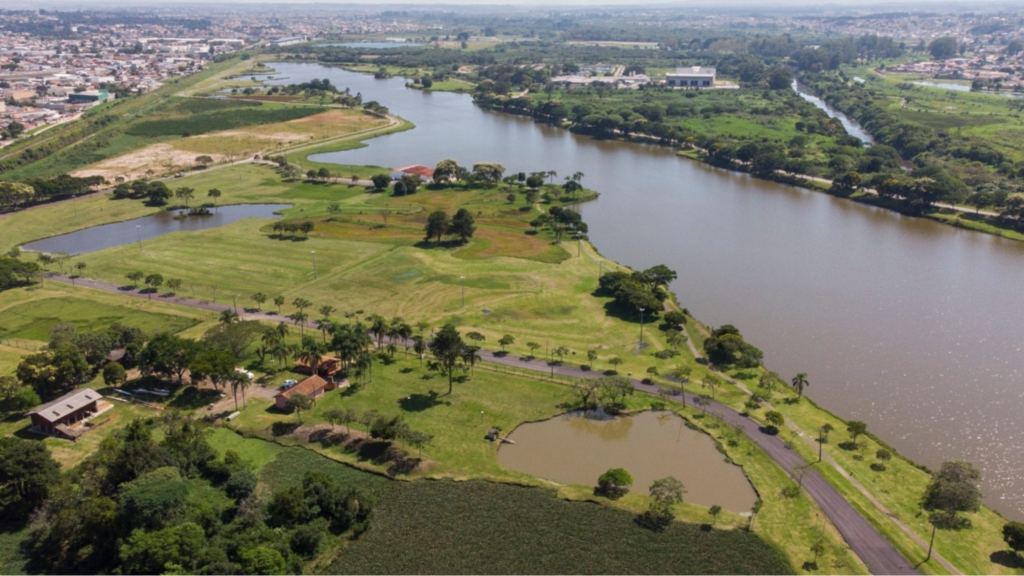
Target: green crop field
[
  {"x": 221, "y": 119},
  {"x": 481, "y": 528}
]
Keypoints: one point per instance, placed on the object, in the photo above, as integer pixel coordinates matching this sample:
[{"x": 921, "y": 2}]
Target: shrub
[
  {"x": 614, "y": 483},
  {"x": 241, "y": 484}
]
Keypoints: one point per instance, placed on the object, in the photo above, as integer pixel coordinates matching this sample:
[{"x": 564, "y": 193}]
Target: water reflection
[{"x": 576, "y": 448}]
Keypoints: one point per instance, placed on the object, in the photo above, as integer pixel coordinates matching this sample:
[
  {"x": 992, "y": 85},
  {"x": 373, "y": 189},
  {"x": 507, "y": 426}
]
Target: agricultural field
[{"x": 476, "y": 527}]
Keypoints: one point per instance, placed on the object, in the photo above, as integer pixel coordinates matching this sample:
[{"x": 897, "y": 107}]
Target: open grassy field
[
  {"x": 993, "y": 119},
  {"x": 29, "y": 314},
  {"x": 33, "y": 320}
]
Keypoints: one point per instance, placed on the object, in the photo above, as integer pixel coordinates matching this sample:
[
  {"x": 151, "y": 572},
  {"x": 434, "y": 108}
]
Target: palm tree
[
  {"x": 470, "y": 356},
  {"x": 326, "y": 312},
  {"x": 800, "y": 382},
  {"x": 312, "y": 353},
  {"x": 228, "y": 316},
  {"x": 281, "y": 350},
  {"x": 300, "y": 318},
  {"x": 278, "y": 301},
  {"x": 551, "y": 176},
  {"x": 419, "y": 346},
  {"x": 378, "y": 327}
]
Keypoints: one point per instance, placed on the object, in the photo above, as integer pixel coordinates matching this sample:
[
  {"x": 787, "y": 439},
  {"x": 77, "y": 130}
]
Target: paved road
[{"x": 873, "y": 549}]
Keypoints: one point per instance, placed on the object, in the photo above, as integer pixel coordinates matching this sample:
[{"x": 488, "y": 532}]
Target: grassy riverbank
[{"x": 517, "y": 281}]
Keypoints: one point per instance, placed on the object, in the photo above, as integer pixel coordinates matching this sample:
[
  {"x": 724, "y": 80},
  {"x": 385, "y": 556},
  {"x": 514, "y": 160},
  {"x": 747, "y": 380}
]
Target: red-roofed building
[
  {"x": 314, "y": 387},
  {"x": 423, "y": 172}
]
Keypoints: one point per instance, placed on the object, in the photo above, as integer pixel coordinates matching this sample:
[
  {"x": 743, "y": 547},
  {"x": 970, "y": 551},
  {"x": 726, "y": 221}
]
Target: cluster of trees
[
  {"x": 460, "y": 226},
  {"x": 292, "y": 229},
  {"x": 140, "y": 505},
  {"x": 608, "y": 392},
  {"x": 16, "y": 195},
  {"x": 16, "y": 272},
  {"x": 726, "y": 347},
  {"x": 71, "y": 358},
  {"x": 639, "y": 292},
  {"x": 561, "y": 221}
]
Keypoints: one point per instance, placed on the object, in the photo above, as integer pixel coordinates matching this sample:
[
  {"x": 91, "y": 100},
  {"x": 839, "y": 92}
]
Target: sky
[{"x": 762, "y": 4}]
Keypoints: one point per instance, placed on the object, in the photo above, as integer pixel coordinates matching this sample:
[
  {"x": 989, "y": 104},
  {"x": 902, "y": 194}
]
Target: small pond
[
  {"x": 149, "y": 227},
  {"x": 575, "y": 449}
]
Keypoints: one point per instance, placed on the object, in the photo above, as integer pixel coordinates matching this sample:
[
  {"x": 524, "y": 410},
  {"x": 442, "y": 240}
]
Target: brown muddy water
[{"x": 576, "y": 449}]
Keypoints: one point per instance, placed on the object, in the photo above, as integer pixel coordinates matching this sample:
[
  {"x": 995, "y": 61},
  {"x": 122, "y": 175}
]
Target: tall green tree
[
  {"x": 799, "y": 383},
  {"x": 447, "y": 348},
  {"x": 437, "y": 225},
  {"x": 26, "y": 476}
]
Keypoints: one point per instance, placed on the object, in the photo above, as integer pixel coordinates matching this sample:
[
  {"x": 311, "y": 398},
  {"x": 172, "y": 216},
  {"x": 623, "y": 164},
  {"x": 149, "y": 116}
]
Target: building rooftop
[
  {"x": 307, "y": 387},
  {"x": 693, "y": 71},
  {"x": 66, "y": 404}
]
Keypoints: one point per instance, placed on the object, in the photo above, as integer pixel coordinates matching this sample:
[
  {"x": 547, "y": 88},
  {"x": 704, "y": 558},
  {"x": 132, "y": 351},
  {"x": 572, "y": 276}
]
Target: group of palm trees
[{"x": 351, "y": 342}]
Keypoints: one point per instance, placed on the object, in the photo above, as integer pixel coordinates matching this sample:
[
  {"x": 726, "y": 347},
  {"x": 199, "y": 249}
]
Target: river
[
  {"x": 852, "y": 128},
  {"x": 907, "y": 324}
]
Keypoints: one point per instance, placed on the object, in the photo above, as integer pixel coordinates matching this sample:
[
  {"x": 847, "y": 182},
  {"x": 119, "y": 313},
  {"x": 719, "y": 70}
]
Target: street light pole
[
  {"x": 314, "y": 264},
  {"x": 641, "y": 328},
  {"x": 138, "y": 232},
  {"x": 234, "y": 300},
  {"x": 463, "y": 291}
]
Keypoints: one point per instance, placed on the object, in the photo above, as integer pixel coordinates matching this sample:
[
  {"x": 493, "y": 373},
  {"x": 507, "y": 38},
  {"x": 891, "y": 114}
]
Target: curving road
[{"x": 877, "y": 553}]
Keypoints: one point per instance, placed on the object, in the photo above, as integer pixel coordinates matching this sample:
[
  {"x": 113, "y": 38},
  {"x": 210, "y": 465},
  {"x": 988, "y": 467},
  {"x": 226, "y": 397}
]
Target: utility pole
[{"x": 641, "y": 344}]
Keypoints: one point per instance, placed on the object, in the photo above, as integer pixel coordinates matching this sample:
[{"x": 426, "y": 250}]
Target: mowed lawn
[{"x": 33, "y": 320}]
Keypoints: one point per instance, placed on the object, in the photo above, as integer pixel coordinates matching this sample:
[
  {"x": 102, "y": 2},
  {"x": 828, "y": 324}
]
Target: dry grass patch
[{"x": 153, "y": 159}]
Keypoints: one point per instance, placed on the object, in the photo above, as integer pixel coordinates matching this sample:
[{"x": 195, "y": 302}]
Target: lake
[
  {"x": 148, "y": 227},
  {"x": 576, "y": 448},
  {"x": 907, "y": 324}
]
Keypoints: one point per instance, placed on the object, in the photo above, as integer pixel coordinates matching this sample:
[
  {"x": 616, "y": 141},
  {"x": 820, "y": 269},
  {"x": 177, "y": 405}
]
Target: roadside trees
[
  {"x": 506, "y": 340},
  {"x": 135, "y": 276},
  {"x": 259, "y": 298},
  {"x": 154, "y": 281},
  {"x": 774, "y": 419},
  {"x": 447, "y": 348}
]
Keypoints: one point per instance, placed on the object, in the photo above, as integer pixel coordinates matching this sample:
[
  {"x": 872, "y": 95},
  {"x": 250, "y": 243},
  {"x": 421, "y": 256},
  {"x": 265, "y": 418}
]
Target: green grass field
[{"x": 33, "y": 320}]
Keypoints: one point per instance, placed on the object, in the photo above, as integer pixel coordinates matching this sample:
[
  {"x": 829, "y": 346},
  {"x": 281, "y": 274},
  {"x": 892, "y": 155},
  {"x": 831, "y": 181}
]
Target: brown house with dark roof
[
  {"x": 66, "y": 416},
  {"x": 328, "y": 366},
  {"x": 314, "y": 387}
]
